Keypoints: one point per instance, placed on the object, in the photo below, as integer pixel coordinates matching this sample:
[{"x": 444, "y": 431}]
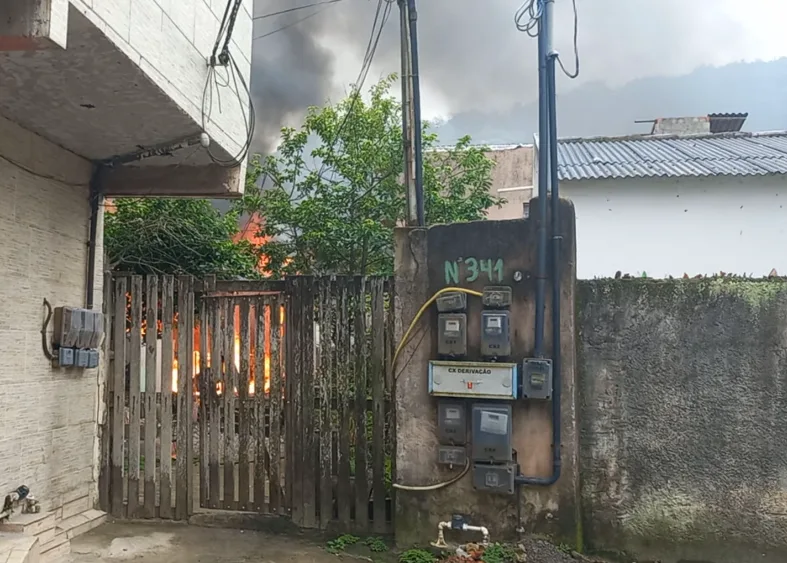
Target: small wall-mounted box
[
  {"x": 451, "y": 455},
  {"x": 452, "y": 423},
  {"x": 495, "y": 334},
  {"x": 494, "y": 478},
  {"x": 77, "y": 328},
  {"x": 536, "y": 378},
  {"x": 475, "y": 380},
  {"x": 452, "y": 302},
  {"x": 497, "y": 297},
  {"x": 65, "y": 357},
  {"x": 491, "y": 437},
  {"x": 452, "y": 335}
]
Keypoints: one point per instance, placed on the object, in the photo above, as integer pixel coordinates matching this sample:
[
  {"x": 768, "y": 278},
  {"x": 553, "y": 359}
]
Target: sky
[{"x": 473, "y": 57}]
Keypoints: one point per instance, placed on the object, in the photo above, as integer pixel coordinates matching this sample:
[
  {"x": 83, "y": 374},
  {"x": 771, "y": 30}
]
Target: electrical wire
[
  {"x": 436, "y": 486},
  {"x": 574, "y": 74},
  {"x": 297, "y": 8},
  {"x": 528, "y": 19},
  {"x": 227, "y": 60},
  {"x": 421, "y": 311}
]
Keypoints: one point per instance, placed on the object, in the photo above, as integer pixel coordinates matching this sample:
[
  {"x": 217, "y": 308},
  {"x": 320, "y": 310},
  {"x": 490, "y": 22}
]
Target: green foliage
[
  {"x": 176, "y": 236},
  {"x": 565, "y": 548},
  {"x": 341, "y": 543},
  {"x": 417, "y": 556},
  {"x": 499, "y": 553},
  {"x": 333, "y": 208},
  {"x": 376, "y": 545}
]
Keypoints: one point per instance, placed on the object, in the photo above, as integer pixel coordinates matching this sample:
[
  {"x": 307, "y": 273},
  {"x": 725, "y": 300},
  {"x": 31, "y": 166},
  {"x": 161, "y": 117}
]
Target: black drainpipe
[
  {"x": 95, "y": 207},
  {"x": 556, "y": 237}
]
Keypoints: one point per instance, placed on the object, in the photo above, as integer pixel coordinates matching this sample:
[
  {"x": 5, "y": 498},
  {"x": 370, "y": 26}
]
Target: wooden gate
[
  {"x": 146, "y": 446},
  {"x": 307, "y": 431},
  {"x": 286, "y": 411}
]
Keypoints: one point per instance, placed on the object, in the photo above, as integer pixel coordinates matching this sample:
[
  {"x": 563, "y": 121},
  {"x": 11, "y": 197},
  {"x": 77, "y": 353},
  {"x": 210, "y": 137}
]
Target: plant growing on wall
[{"x": 332, "y": 208}]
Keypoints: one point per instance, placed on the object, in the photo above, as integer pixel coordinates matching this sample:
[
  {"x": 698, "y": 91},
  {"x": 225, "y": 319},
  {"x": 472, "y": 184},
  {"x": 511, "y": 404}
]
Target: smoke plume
[{"x": 474, "y": 59}]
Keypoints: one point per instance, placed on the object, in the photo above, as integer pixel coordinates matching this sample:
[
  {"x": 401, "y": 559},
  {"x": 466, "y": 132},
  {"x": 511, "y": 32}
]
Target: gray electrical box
[
  {"x": 452, "y": 335},
  {"x": 82, "y": 358},
  {"x": 495, "y": 334},
  {"x": 451, "y": 455},
  {"x": 494, "y": 478},
  {"x": 452, "y": 302},
  {"x": 497, "y": 297},
  {"x": 452, "y": 423},
  {"x": 536, "y": 378},
  {"x": 92, "y": 329},
  {"x": 67, "y": 325},
  {"x": 65, "y": 357},
  {"x": 491, "y": 435},
  {"x": 92, "y": 359}
]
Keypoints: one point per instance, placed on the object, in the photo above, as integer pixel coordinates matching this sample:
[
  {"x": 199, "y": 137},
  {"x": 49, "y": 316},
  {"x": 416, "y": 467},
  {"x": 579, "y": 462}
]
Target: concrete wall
[
  {"x": 683, "y": 399},
  {"x": 512, "y": 180},
  {"x": 668, "y": 227},
  {"x": 171, "y": 40},
  {"x": 420, "y": 272},
  {"x": 48, "y": 417}
]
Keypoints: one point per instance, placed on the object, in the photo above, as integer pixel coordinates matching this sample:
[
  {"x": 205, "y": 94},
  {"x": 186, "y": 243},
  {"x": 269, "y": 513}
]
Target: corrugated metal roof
[{"x": 735, "y": 154}]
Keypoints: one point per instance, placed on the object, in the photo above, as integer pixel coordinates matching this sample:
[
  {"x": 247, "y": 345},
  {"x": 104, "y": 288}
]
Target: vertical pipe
[
  {"x": 95, "y": 208},
  {"x": 416, "y": 125},
  {"x": 543, "y": 177},
  {"x": 407, "y": 141}
]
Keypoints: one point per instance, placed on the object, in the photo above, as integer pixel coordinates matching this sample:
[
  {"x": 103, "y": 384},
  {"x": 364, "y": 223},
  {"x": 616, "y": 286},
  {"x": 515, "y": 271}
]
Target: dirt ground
[{"x": 173, "y": 543}]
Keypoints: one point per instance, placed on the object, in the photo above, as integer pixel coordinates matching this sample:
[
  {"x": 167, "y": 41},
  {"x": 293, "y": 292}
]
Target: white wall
[
  {"x": 674, "y": 226},
  {"x": 48, "y": 417},
  {"x": 171, "y": 41}
]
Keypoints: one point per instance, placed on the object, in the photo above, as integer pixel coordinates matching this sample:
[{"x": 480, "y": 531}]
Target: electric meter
[
  {"x": 495, "y": 334},
  {"x": 452, "y": 335}
]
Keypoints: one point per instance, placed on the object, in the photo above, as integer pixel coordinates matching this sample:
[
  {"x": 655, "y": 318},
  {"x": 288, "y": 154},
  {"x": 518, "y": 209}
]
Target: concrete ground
[{"x": 173, "y": 543}]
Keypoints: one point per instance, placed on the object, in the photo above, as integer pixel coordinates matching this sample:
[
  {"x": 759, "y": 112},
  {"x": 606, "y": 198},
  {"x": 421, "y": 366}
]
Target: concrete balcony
[{"x": 128, "y": 81}]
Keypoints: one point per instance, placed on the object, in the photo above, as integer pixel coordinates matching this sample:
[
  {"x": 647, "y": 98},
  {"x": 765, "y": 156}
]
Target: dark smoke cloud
[{"x": 473, "y": 58}]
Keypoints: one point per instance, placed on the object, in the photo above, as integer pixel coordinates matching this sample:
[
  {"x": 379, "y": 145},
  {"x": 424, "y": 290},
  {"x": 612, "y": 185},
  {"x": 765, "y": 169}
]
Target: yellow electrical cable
[
  {"x": 401, "y": 345},
  {"x": 421, "y": 311}
]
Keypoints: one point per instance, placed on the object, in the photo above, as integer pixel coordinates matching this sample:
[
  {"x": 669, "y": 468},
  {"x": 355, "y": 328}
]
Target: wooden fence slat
[
  {"x": 151, "y": 421},
  {"x": 230, "y": 451},
  {"x": 243, "y": 419},
  {"x": 184, "y": 435},
  {"x": 135, "y": 352},
  {"x": 390, "y": 428},
  {"x": 295, "y": 431},
  {"x": 326, "y": 308},
  {"x": 105, "y": 473},
  {"x": 378, "y": 397},
  {"x": 344, "y": 497},
  {"x": 310, "y": 444},
  {"x": 261, "y": 402},
  {"x": 214, "y": 460},
  {"x": 276, "y": 402},
  {"x": 190, "y": 465},
  {"x": 167, "y": 356},
  {"x": 361, "y": 351},
  {"x": 205, "y": 397},
  {"x": 119, "y": 398}
]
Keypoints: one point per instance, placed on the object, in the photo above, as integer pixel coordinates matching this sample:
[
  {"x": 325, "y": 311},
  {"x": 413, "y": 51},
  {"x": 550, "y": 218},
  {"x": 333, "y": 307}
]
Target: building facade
[{"x": 99, "y": 98}]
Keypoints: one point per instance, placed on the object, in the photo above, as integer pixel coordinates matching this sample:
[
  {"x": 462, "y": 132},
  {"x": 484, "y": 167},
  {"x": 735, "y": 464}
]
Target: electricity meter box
[
  {"x": 451, "y": 455},
  {"x": 77, "y": 328},
  {"x": 475, "y": 380},
  {"x": 452, "y": 302},
  {"x": 491, "y": 435},
  {"x": 495, "y": 334},
  {"x": 536, "y": 378},
  {"x": 452, "y": 335},
  {"x": 497, "y": 297},
  {"x": 494, "y": 478},
  {"x": 452, "y": 423}
]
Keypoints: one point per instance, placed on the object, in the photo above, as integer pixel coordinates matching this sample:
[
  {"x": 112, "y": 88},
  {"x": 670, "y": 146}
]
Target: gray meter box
[
  {"x": 497, "y": 297},
  {"x": 452, "y": 302},
  {"x": 77, "y": 328},
  {"x": 451, "y": 455},
  {"x": 491, "y": 436},
  {"x": 452, "y": 423},
  {"x": 536, "y": 378},
  {"x": 452, "y": 334},
  {"x": 494, "y": 478},
  {"x": 495, "y": 334}
]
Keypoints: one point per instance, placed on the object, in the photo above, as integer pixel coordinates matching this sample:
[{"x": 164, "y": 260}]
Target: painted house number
[{"x": 470, "y": 269}]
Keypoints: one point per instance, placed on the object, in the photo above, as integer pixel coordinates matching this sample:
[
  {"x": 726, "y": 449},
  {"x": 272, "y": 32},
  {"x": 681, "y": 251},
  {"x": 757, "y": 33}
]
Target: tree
[
  {"x": 333, "y": 208},
  {"x": 176, "y": 236}
]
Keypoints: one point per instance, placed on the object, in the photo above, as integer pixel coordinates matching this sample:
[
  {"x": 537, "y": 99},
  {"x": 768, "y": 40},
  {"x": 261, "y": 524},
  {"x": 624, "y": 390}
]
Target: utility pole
[
  {"x": 407, "y": 116},
  {"x": 411, "y": 114}
]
